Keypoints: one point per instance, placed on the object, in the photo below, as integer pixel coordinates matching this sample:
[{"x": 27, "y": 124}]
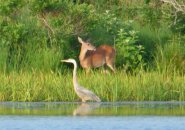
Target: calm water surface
[{"x": 87, "y": 116}]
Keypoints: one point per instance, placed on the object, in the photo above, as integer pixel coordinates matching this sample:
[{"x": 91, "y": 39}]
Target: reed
[{"x": 39, "y": 86}]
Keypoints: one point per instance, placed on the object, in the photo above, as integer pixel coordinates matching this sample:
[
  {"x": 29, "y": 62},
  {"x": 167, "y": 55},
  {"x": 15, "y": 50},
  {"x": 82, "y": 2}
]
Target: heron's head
[{"x": 69, "y": 61}]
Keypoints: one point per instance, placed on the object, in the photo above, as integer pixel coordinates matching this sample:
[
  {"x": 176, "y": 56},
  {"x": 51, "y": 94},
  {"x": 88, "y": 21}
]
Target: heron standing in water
[{"x": 82, "y": 92}]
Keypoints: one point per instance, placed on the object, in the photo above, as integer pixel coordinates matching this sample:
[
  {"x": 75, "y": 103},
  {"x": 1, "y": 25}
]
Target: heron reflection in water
[{"x": 85, "y": 109}]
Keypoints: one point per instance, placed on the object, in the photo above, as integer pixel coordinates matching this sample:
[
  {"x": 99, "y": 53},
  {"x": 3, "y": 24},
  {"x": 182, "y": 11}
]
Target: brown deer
[{"x": 91, "y": 57}]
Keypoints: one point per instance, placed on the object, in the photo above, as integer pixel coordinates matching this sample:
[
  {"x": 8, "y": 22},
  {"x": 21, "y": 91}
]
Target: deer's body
[{"x": 93, "y": 58}]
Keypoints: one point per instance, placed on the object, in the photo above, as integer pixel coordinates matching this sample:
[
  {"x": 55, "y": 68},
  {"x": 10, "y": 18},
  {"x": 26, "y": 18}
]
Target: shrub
[
  {"x": 129, "y": 53},
  {"x": 123, "y": 36}
]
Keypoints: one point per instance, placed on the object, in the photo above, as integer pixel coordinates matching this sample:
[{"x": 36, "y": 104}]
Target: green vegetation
[
  {"x": 39, "y": 86},
  {"x": 35, "y": 35}
]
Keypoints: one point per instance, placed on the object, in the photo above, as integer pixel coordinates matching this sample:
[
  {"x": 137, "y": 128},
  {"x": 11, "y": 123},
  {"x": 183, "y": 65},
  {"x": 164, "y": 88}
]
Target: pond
[{"x": 87, "y": 116}]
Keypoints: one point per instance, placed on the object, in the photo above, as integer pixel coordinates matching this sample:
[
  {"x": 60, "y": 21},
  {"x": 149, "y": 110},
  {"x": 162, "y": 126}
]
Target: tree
[{"x": 179, "y": 7}]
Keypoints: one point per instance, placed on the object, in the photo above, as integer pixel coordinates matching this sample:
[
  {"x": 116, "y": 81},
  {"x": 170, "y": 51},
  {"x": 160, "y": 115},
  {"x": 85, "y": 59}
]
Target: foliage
[
  {"x": 174, "y": 13},
  {"x": 35, "y": 34},
  {"x": 171, "y": 57},
  {"x": 7, "y": 7},
  {"x": 21, "y": 32},
  {"x": 125, "y": 38},
  {"x": 129, "y": 53}
]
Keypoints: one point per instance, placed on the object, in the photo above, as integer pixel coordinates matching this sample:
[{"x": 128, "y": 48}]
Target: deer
[{"x": 92, "y": 57}]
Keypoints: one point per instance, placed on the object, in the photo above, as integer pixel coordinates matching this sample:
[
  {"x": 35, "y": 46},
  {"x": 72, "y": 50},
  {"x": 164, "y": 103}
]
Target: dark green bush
[{"x": 36, "y": 34}]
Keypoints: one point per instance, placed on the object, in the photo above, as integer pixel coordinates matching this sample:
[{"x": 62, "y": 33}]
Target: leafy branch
[{"x": 178, "y": 6}]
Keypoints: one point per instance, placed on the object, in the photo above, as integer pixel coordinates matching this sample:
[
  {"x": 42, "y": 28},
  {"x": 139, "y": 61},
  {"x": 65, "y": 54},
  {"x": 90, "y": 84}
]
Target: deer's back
[
  {"x": 102, "y": 53},
  {"x": 106, "y": 49}
]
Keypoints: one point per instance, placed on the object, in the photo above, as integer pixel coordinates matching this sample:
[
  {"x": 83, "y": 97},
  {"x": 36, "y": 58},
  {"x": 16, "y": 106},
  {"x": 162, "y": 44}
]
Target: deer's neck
[{"x": 82, "y": 54}]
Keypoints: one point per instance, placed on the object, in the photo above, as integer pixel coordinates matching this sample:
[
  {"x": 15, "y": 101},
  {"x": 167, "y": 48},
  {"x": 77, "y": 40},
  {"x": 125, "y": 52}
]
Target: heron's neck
[{"x": 75, "y": 81}]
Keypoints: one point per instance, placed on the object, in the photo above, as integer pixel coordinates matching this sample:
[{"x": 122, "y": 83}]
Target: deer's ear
[{"x": 80, "y": 40}]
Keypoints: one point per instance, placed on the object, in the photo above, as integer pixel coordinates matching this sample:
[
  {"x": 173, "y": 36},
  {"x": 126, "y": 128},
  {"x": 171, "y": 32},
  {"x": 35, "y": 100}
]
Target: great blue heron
[{"x": 82, "y": 92}]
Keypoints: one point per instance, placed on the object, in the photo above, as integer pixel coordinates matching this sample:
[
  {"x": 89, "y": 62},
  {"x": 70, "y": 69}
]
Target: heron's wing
[
  {"x": 87, "y": 94},
  {"x": 85, "y": 91}
]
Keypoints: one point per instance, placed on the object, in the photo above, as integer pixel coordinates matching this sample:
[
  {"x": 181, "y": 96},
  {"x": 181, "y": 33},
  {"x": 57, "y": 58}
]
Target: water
[{"x": 106, "y": 116}]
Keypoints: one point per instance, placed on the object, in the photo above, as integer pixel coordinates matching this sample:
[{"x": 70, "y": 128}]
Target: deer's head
[{"x": 86, "y": 45}]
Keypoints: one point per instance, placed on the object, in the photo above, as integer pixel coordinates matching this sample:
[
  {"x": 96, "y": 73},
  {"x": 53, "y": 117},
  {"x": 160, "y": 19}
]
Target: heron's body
[{"x": 82, "y": 92}]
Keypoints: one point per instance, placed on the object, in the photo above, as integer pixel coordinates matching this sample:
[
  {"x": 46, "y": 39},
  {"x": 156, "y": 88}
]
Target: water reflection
[
  {"x": 85, "y": 109},
  {"x": 93, "y": 109}
]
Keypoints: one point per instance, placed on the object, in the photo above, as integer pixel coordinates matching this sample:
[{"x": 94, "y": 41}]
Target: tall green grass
[
  {"x": 151, "y": 37},
  {"x": 39, "y": 86},
  {"x": 3, "y": 57},
  {"x": 171, "y": 56}
]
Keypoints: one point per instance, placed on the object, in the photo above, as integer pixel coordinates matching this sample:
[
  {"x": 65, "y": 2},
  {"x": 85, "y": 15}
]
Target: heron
[{"x": 82, "y": 92}]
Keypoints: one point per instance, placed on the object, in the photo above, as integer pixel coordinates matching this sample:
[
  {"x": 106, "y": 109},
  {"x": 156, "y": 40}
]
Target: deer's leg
[
  {"x": 87, "y": 70},
  {"x": 104, "y": 69},
  {"x": 111, "y": 66},
  {"x": 110, "y": 61}
]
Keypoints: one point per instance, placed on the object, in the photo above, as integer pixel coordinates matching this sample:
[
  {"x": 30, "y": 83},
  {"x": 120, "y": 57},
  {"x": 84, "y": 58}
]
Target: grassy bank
[
  {"x": 36, "y": 35},
  {"x": 38, "y": 86}
]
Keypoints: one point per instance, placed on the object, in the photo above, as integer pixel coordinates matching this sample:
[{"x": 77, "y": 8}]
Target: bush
[
  {"x": 34, "y": 32},
  {"x": 129, "y": 52},
  {"x": 26, "y": 42}
]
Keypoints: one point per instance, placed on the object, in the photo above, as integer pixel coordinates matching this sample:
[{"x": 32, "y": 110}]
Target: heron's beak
[{"x": 63, "y": 60}]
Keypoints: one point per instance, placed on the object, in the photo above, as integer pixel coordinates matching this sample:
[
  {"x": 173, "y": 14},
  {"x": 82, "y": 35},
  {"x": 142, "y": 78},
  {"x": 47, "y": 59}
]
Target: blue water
[
  {"x": 91, "y": 123},
  {"x": 92, "y": 116}
]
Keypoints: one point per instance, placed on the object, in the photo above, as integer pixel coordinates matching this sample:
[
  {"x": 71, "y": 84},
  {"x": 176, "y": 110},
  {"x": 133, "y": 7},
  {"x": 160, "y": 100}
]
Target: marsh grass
[
  {"x": 39, "y": 86},
  {"x": 170, "y": 57}
]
